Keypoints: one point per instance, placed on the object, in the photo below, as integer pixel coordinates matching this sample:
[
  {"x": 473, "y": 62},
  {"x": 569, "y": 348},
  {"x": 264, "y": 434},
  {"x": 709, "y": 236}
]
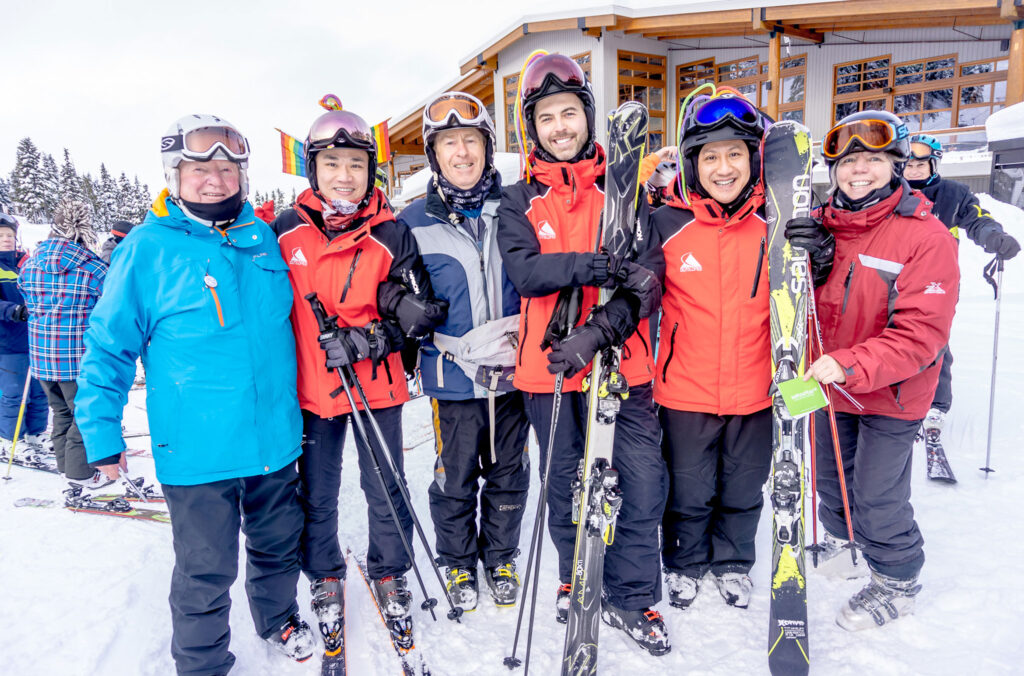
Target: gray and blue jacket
[{"x": 461, "y": 254}]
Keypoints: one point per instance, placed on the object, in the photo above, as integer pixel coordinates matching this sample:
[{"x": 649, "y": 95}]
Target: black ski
[
  {"x": 42, "y": 462},
  {"x": 597, "y": 495},
  {"x": 76, "y": 500},
  {"x": 938, "y": 465},
  {"x": 786, "y": 156},
  {"x": 400, "y": 631}
]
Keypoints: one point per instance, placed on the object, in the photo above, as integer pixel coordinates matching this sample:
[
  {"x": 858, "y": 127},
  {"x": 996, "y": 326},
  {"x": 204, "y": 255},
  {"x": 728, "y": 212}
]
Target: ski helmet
[
  {"x": 8, "y": 222},
  {"x": 868, "y": 130},
  {"x": 925, "y": 147},
  {"x": 555, "y": 74},
  {"x": 201, "y": 138},
  {"x": 457, "y": 110},
  {"x": 720, "y": 118},
  {"x": 341, "y": 129}
]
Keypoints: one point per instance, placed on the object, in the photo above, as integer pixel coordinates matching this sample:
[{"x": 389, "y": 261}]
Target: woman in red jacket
[
  {"x": 341, "y": 242},
  {"x": 714, "y": 359},
  {"x": 885, "y": 314}
]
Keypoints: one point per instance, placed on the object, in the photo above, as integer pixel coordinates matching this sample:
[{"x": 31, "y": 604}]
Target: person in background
[
  {"x": 14, "y": 359},
  {"x": 479, "y": 418},
  {"x": 61, "y": 283},
  {"x": 201, "y": 293},
  {"x": 885, "y": 312},
  {"x": 955, "y": 205},
  {"x": 118, "y": 231}
]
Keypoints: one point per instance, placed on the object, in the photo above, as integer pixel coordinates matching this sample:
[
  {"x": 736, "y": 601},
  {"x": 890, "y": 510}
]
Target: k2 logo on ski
[
  {"x": 546, "y": 231},
  {"x": 298, "y": 258},
  {"x": 689, "y": 263}
]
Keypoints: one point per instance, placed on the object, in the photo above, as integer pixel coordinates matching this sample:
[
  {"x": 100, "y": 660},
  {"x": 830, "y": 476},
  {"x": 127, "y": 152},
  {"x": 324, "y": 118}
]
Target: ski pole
[
  {"x": 835, "y": 435},
  {"x": 454, "y": 612},
  {"x": 17, "y": 426},
  {"x": 323, "y": 323},
  {"x": 563, "y": 318},
  {"x": 993, "y": 273},
  {"x": 536, "y": 539},
  {"x": 815, "y": 548}
]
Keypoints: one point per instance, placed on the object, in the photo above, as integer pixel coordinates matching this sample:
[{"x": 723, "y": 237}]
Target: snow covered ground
[{"x": 87, "y": 594}]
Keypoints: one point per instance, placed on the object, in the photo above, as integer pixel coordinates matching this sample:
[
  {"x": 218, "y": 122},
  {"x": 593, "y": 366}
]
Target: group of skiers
[{"x": 261, "y": 343}]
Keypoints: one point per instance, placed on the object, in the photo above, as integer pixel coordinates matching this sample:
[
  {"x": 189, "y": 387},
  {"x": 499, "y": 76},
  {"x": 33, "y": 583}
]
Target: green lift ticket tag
[{"x": 802, "y": 397}]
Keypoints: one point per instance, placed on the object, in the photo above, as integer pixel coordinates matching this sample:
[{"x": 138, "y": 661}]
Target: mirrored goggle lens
[
  {"x": 466, "y": 109},
  {"x": 202, "y": 140},
  {"x": 872, "y": 134},
  {"x": 920, "y": 151},
  {"x": 330, "y": 128},
  {"x": 723, "y": 107},
  {"x": 556, "y": 66}
]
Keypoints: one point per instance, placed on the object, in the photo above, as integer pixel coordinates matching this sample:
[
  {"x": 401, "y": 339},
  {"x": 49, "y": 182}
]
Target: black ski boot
[
  {"x": 504, "y": 584},
  {"x": 329, "y": 607},
  {"x": 395, "y": 602},
  {"x": 562, "y": 603},
  {"x": 463, "y": 587},
  {"x": 646, "y": 627},
  {"x": 294, "y": 639}
]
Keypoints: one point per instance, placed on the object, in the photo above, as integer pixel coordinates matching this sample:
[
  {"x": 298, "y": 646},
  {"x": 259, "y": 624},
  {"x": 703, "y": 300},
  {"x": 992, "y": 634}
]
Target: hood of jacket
[
  {"x": 569, "y": 179},
  {"x": 57, "y": 255},
  {"x": 903, "y": 202}
]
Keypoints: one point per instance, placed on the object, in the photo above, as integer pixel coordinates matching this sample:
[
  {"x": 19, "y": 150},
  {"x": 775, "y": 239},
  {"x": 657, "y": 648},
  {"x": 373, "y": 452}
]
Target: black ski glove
[
  {"x": 644, "y": 286},
  {"x": 345, "y": 346},
  {"x": 1001, "y": 244},
  {"x": 570, "y": 356},
  {"x": 418, "y": 318},
  {"x": 603, "y": 266},
  {"x": 19, "y": 313},
  {"x": 808, "y": 234}
]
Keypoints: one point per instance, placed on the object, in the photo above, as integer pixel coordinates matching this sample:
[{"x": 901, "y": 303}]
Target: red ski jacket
[
  {"x": 547, "y": 231},
  {"x": 344, "y": 272},
  {"x": 714, "y": 353},
  {"x": 887, "y": 307}
]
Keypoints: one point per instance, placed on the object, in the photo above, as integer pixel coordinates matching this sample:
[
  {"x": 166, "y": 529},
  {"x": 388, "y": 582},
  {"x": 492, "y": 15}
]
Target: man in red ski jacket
[{"x": 548, "y": 229}]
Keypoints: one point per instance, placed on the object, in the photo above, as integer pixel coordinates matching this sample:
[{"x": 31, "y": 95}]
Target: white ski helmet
[{"x": 201, "y": 138}]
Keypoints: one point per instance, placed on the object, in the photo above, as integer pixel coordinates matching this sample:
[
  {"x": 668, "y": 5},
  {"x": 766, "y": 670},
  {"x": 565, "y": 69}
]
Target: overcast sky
[{"x": 106, "y": 79}]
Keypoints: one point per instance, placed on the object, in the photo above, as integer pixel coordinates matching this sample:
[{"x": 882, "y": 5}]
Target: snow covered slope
[{"x": 87, "y": 594}]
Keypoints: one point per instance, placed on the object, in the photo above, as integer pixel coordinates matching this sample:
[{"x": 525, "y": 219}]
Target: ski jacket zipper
[
  {"x": 671, "y": 351},
  {"x": 526, "y": 329},
  {"x": 351, "y": 271},
  {"x": 757, "y": 272},
  {"x": 846, "y": 287}
]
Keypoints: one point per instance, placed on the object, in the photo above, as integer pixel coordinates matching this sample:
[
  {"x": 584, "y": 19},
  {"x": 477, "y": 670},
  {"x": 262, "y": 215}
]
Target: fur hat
[{"x": 73, "y": 220}]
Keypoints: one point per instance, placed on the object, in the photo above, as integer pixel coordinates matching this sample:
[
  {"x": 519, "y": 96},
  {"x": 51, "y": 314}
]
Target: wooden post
[
  {"x": 771, "y": 106},
  {"x": 1015, "y": 73}
]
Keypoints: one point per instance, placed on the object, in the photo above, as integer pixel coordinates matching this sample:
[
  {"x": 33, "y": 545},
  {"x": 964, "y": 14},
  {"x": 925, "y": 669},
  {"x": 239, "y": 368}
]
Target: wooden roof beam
[
  {"x": 926, "y": 22},
  {"x": 584, "y": 23},
  {"x": 792, "y": 30},
  {"x": 879, "y": 9},
  {"x": 654, "y": 24},
  {"x": 1011, "y": 10}
]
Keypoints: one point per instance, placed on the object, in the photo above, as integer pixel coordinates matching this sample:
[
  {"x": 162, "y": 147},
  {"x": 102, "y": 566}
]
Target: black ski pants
[
  {"x": 320, "y": 485},
  {"x": 463, "y": 442},
  {"x": 876, "y": 452},
  {"x": 632, "y": 574},
  {"x": 943, "y": 398},
  {"x": 205, "y": 520},
  {"x": 717, "y": 467}
]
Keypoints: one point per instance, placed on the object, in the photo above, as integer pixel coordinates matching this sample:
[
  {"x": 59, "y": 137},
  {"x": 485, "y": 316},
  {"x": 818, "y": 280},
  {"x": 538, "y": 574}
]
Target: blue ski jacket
[
  {"x": 13, "y": 334},
  {"x": 208, "y": 312}
]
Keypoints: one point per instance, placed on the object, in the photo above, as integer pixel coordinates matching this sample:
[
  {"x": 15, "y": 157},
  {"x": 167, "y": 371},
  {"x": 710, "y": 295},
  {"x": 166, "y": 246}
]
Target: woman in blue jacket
[{"x": 201, "y": 293}]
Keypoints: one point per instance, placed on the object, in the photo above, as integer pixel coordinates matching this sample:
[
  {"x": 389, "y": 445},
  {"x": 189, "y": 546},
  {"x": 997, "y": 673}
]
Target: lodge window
[
  {"x": 512, "y": 90},
  {"x": 642, "y": 78},
  {"x": 931, "y": 93},
  {"x": 749, "y": 76}
]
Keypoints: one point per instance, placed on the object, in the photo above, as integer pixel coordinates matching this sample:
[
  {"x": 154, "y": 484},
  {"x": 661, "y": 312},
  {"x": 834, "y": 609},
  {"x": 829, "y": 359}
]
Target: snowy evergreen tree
[
  {"x": 50, "y": 186},
  {"x": 88, "y": 187},
  {"x": 70, "y": 183},
  {"x": 257, "y": 199},
  {"x": 26, "y": 195},
  {"x": 106, "y": 198},
  {"x": 126, "y": 202},
  {"x": 142, "y": 201},
  {"x": 5, "y": 195}
]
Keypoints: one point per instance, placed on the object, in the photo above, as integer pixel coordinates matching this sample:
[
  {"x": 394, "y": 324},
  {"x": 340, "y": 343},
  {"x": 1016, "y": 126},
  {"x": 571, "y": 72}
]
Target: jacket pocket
[
  {"x": 671, "y": 352},
  {"x": 846, "y": 287},
  {"x": 526, "y": 330},
  {"x": 275, "y": 288},
  {"x": 757, "y": 270}
]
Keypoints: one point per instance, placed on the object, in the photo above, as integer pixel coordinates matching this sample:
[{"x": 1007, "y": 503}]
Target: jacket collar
[
  {"x": 569, "y": 179},
  {"x": 310, "y": 209},
  {"x": 243, "y": 233},
  {"x": 710, "y": 212},
  {"x": 903, "y": 202},
  {"x": 436, "y": 207}
]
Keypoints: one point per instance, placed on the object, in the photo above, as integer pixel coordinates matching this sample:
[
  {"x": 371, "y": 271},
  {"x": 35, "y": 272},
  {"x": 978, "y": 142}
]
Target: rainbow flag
[
  {"x": 292, "y": 156},
  {"x": 380, "y": 135}
]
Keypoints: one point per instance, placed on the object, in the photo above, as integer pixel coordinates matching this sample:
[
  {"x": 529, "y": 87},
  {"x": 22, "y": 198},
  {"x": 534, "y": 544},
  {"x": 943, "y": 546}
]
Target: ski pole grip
[{"x": 318, "y": 311}]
